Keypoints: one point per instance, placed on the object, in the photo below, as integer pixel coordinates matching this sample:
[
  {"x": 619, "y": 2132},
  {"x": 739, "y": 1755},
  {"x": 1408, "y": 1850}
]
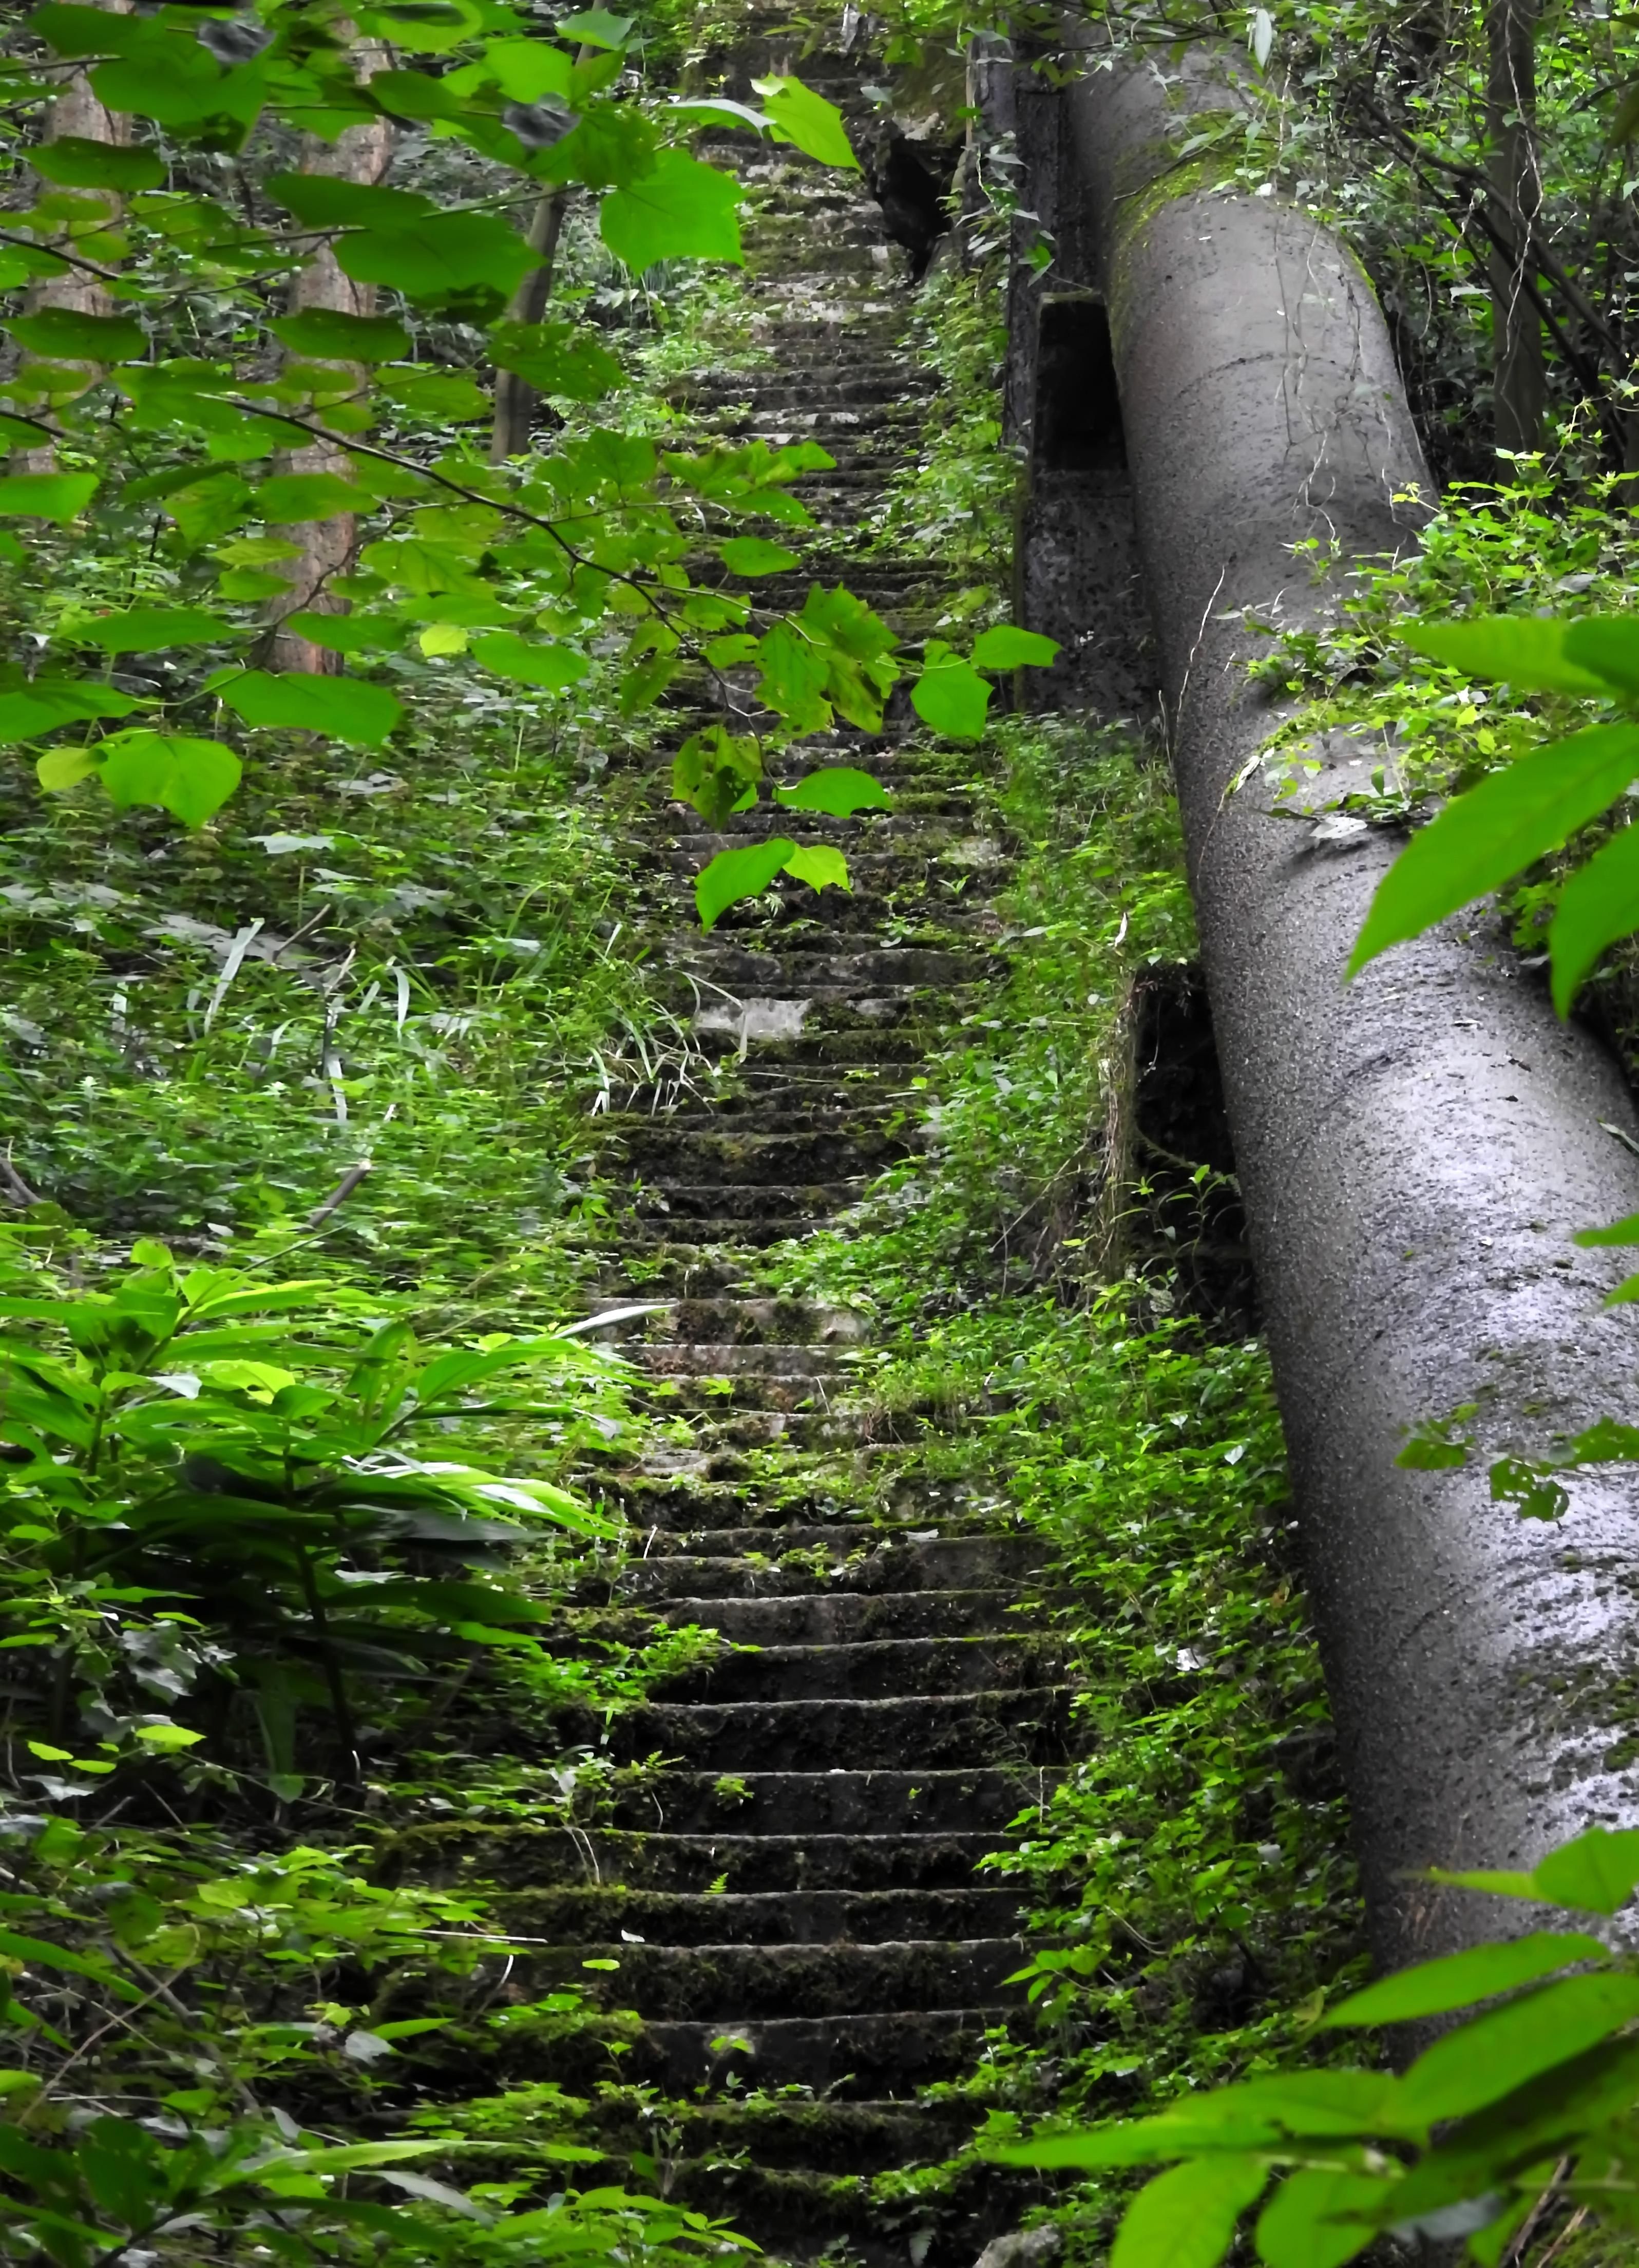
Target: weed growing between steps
[{"x": 1195, "y": 1901}]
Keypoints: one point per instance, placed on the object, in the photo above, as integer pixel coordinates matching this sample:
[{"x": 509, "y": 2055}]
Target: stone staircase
[{"x": 792, "y": 1900}]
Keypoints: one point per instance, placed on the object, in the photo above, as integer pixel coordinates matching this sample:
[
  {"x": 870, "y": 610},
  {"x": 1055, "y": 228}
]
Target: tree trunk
[
  {"x": 1415, "y": 1149},
  {"x": 77, "y": 112},
  {"x": 515, "y": 399},
  {"x": 1516, "y": 199},
  {"x": 328, "y": 547}
]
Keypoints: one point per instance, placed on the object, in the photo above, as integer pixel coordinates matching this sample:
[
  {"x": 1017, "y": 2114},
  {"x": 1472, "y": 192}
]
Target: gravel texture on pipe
[{"x": 1415, "y": 1149}]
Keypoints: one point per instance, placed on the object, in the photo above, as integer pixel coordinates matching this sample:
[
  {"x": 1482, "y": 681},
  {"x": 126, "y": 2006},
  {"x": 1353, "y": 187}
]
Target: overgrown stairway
[{"x": 793, "y": 1901}]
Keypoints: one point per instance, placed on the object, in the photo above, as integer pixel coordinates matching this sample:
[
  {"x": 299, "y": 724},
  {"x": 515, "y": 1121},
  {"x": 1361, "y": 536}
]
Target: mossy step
[
  {"x": 953, "y": 1563},
  {"x": 733, "y": 1360},
  {"x": 805, "y": 967},
  {"x": 736, "y": 1985},
  {"x": 851, "y": 2057},
  {"x": 835, "y": 1617},
  {"x": 448, "y": 1853},
  {"x": 667, "y": 1920},
  {"x": 1027, "y": 1725},
  {"x": 806, "y": 2220},
  {"x": 871, "y": 1669},
  {"x": 743, "y": 1320},
  {"x": 749, "y": 1160},
  {"x": 846, "y": 2137},
  {"x": 968, "y": 1799}
]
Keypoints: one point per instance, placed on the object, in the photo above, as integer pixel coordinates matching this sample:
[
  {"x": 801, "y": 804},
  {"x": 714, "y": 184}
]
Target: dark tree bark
[
  {"x": 1515, "y": 201},
  {"x": 516, "y": 400}
]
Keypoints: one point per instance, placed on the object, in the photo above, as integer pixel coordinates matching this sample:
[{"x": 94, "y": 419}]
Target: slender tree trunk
[
  {"x": 77, "y": 112},
  {"x": 328, "y": 547},
  {"x": 515, "y": 399},
  {"x": 1516, "y": 199}
]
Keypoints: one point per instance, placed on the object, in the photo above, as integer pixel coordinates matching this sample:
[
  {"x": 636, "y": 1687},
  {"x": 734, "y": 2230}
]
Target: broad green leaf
[
  {"x": 329, "y": 335},
  {"x": 76, "y": 30},
  {"x": 1259, "y": 2113},
  {"x": 167, "y": 1737},
  {"x": 347, "y": 633},
  {"x": 796, "y": 115},
  {"x": 59, "y": 497},
  {"x": 77, "y": 164},
  {"x": 754, "y": 554},
  {"x": 1625, "y": 1231},
  {"x": 325, "y": 201},
  {"x": 44, "y": 1956},
  {"x": 736, "y": 875},
  {"x": 290, "y": 498},
  {"x": 1597, "y": 1870},
  {"x": 1482, "y": 839},
  {"x": 466, "y": 265},
  {"x": 1523, "y": 651},
  {"x": 716, "y": 772},
  {"x": 428, "y": 28},
  {"x": 1607, "y": 644},
  {"x": 1186, "y": 2217},
  {"x": 59, "y": 770},
  {"x": 152, "y": 629},
  {"x": 343, "y": 708},
  {"x": 50, "y": 701},
  {"x": 1008, "y": 648},
  {"x": 1299, "y": 2227},
  {"x": 1489, "y": 2057},
  {"x": 553, "y": 668},
  {"x": 950, "y": 697},
  {"x": 838, "y": 790},
  {"x": 190, "y": 778},
  {"x": 596, "y": 28},
  {"x": 821, "y": 867},
  {"x": 415, "y": 94},
  {"x": 1599, "y": 904},
  {"x": 67, "y": 336},
  {"x": 1434, "y": 1986},
  {"x": 555, "y": 359},
  {"x": 680, "y": 210},
  {"x": 525, "y": 70}
]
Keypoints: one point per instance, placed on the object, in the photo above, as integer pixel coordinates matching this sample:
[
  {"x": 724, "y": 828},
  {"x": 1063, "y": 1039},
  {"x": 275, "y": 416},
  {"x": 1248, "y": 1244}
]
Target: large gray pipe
[{"x": 1416, "y": 1150}]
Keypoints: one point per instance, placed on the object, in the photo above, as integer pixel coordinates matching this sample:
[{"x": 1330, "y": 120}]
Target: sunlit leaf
[
  {"x": 1599, "y": 904},
  {"x": 796, "y": 115},
  {"x": 152, "y": 629},
  {"x": 343, "y": 708},
  {"x": 949, "y": 696},
  {"x": 1608, "y": 645},
  {"x": 736, "y": 875},
  {"x": 1524, "y": 651},
  {"x": 553, "y": 668},
  {"x": 1495, "y": 2053},
  {"x": 1433, "y": 1987},
  {"x": 291, "y": 498},
  {"x": 555, "y": 359},
  {"x": 1186, "y": 2217},
  {"x": 78, "y": 163},
  {"x": 839, "y": 790},
  {"x": 680, "y": 210},
  {"x": 190, "y": 778},
  {"x": 820, "y": 866},
  {"x": 1482, "y": 839},
  {"x": 1005, "y": 647},
  {"x": 754, "y": 554},
  {"x": 464, "y": 264},
  {"x": 596, "y": 28},
  {"x": 59, "y": 497},
  {"x": 1299, "y": 2227},
  {"x": 329, "y": 335}
]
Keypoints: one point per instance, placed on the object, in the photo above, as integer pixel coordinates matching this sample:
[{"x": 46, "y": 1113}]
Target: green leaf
[
  {"x": 347, "y": 633},
  {"x": 329, "y": 335},
  {"x": 838, "y": 790},
  {"x": 1625, "y": 125},
  {"x": 291, "y": 498},
  {"x": 553, "y": 668},
  {"x": 1523, "y": 651},
  {"x": 59, "y": 770},
  {"x": 190, "y": 778},
  {"x": 1434, "y": 1986},
  {"x": 77, "y": 164},
  {"x": 326, "y": 201},
  {"x": 466, "y": 265},
  {"x": 1186, "y": 2217},
  {"x": 716, "y": 772},
  {"x": 1608, "y": 645},
  {"x": 1008, "y": 648},
  {"x": 1484, "y": 839},
  {"x": 949, "y": 697},
  {"x": 152, "y": 629},
  {"x": 821, "y": 867},
  {"x": 1260, "y": 2114},
  {"x": 525, "y": 70},
  {"x": 53, "y": 1956},
  {"x": 59, "y": 497},
  {"x": 167, "y": 1737},
  {"x": 736, "y": 875},
  {"x": 1299, "y": 2227},
  {"x": 754, "y": 554},
  {"x": 344, "y": 708},
  {"x": 1597, "y": 1871},
  {"x": 681, "y": 210},
  {"x": 66, "y": 335},
  {"x": 596, "y": 28},
  {"x": 558, "y": 358},
  {"x": 50, "y": 701},
  {"x": 1597, "y": 905},
  {"x": 1495, "y": 2053},
  {"x": 796, "y": 115}
]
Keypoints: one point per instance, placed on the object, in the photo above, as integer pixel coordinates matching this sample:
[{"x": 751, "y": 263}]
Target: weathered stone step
[
  {"x": 750, "y": 1160},
  {"x": 955, "y": 1563},
  {"x": 744, "y": 1321},
  {"x": 741, "y": 1361},
  {"x": 759, "y": 1206},
  {"x": 847, "y": 2057},
  {"x": 738, "y": 1984},
  {"x": 850, "y": 1531},
  {"x": 521, "y": 1856},
  {"x": 970, "y": 1798},
  {"x": 684, "y": 1920},
  {"x": 840, "y": 1618},
  {"x": 846, "y": 2137},
  {"x": 872, "y": 1668},
  {"x": 1024, "y": 1726},
  {"x": 739, "y": 967},
  {"x": 709, "y": 1238}
]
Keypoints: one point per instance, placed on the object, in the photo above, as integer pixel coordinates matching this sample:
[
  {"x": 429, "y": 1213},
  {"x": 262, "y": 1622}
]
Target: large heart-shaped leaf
[{"x": 680, "y": 210}]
